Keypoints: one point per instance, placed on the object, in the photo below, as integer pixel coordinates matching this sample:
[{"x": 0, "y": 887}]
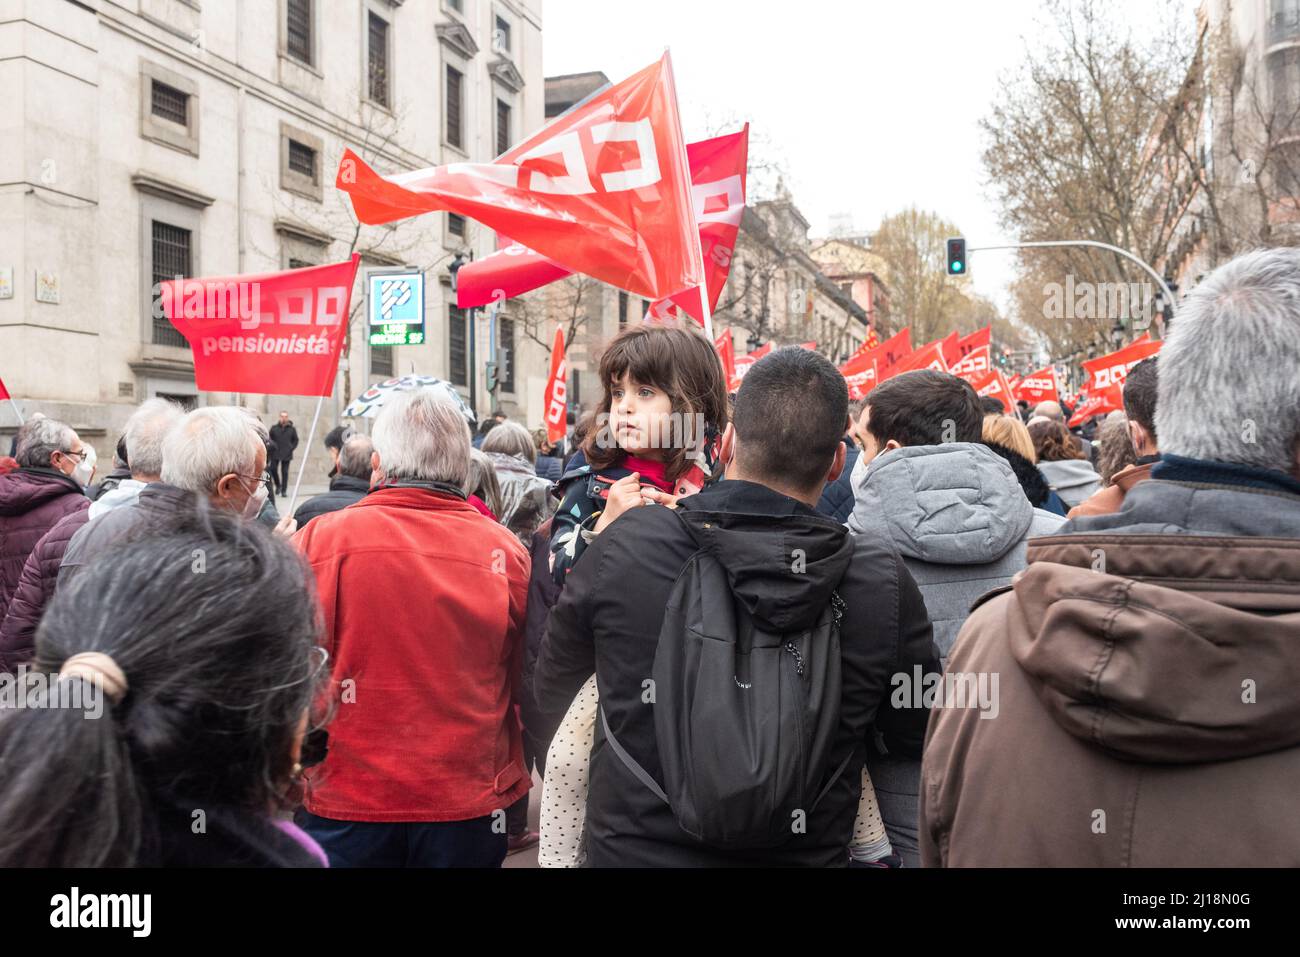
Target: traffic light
[{"x": 957, "y": 264}]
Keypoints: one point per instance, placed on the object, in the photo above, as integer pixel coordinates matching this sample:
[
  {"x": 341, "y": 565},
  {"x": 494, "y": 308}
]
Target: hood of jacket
[
  {"x": 783, "y": 560},
  {"x": 1069, "y": 473},
  {"x": 1183, "y": 648},
  {"x": 953, "y": 504},
  {"x": 514, "y": 464},
  {"x": 124, "y": 493},
  {"x": 1031, "y": 480},
  {"x": 25, "y": 488}
]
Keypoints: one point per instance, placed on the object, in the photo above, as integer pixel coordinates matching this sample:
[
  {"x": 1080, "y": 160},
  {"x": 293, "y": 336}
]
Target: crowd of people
[{"x": 765, "y": 628}]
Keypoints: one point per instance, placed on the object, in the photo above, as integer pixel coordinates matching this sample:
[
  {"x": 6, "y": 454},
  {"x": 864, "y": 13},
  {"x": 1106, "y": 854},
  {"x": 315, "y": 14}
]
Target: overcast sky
[{"x": 871, "y": 106}]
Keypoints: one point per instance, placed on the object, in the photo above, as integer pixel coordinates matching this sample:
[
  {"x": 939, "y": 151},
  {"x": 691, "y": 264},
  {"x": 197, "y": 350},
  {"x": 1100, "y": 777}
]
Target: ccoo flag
[{"x": 555, "y": 401}]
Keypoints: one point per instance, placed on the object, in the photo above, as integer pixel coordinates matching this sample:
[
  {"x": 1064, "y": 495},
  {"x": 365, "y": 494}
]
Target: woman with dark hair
[
  {"x": 166, "y": 710},
  {"x": 1062, "y": 463}
]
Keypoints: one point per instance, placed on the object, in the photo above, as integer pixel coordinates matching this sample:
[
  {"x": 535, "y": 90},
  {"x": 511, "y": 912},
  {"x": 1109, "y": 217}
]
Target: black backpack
[{"x": 745, "y": 719}]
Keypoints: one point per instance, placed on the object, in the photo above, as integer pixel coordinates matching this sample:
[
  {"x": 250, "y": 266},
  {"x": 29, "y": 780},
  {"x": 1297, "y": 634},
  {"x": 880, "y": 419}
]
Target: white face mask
[
  {"x": 253, "y": 505},
  {"x": 85, "y": 469}
]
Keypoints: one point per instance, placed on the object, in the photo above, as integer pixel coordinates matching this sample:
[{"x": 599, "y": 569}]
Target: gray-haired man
[{"x": 1148, "y": 657}]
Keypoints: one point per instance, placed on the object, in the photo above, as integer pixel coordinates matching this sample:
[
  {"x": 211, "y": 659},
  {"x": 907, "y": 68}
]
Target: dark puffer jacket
[
  {"x": 837, "y": 498},
  {"x": 32, "y": 500},
  {"x": 1037, "y": 490},
  {"x": 344, "y": 491},
  {"x": 35, "y": 589}
]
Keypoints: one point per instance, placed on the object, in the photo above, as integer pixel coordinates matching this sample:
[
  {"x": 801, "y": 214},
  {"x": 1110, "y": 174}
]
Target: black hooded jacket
[
  {"x": 1037, "y": 490},
  {"x": 608, "y": 619}
]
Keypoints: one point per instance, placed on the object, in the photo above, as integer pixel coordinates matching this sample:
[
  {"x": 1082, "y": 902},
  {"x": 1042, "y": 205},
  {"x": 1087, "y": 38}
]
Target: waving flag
[
  {"x": 929, "y": 356},
  {"x": 1109, "y": 399},
  {"x": 1040, "y": 386},
  {"x": 861, "y": 376},
  {"x": 726, "y": 347},
  {"x": 274, "y": 333},
  {"x": 718, "y": 168},
  {"x": 972, "y": 365},
  {"x": 1106, "y": 371},
  {"x": 602, "y": 190},
  {"x": 951, "y": 347},
  {"x": 979, "y": 339},
  {"x": 555, "y": 401},
  {"x": 993, "y": 383},
  {"x": 893, "y": 352}
]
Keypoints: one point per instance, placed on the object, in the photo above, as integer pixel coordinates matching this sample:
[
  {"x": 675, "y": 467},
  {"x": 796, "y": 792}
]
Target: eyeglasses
[
  {"x": 79, "y": 456},
  {"x": 262, "y": 480}
]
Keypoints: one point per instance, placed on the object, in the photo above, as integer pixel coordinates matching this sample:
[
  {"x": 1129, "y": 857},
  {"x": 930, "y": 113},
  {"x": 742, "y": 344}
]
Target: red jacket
[{"x": 424, "y": 608}]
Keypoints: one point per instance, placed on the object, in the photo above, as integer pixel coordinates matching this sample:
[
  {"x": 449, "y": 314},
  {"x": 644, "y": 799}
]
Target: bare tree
[
  {"x": 1070, "y": 151},
  {"x": 415, "y": 242}
]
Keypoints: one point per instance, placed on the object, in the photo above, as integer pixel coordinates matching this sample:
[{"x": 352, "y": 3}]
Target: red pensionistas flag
[{"x": 274, "y": 333}]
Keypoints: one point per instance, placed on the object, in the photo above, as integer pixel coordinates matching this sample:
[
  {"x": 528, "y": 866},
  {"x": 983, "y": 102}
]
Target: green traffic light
[{"x": 956, "y": 266}]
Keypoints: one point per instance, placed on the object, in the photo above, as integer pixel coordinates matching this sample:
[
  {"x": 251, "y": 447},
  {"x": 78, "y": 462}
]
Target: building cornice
[
  {"x": 301, "y": 231},
  {"x": 456, "y": 35},
  {"x": 507, "y": 74},
  {"x": 157, "y": 186}
]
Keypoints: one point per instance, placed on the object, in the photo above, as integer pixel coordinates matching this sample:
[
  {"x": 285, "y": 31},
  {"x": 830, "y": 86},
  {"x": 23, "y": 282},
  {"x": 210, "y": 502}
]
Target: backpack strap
[{"x": 640, "y": 773}]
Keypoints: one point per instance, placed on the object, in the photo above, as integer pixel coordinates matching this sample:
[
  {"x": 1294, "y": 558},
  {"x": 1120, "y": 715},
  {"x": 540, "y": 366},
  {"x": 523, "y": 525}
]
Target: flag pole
[
  {"x": 704, "y": 296},
  {"x": 17, "y": 411},
  {"x": 302, "y": 468}
]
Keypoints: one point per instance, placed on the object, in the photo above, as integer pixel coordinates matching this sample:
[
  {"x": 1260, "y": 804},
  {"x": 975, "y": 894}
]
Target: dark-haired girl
[{"x": 655, "y": 436}]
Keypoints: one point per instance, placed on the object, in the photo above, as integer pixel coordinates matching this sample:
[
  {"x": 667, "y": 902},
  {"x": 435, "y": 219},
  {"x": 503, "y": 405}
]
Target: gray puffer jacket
[
  {"x": 958, "y": 517},
  {"x": 1075, "y": 480}
]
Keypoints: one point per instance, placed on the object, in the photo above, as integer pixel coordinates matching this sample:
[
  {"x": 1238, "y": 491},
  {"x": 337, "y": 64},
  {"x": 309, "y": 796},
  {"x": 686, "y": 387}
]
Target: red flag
[
  {"x": 994, "y": 383},
  {"x": 872, "y": 339},
  {"x": 1014, "y": 382},
  {"x": 1109, "y": 399},
  {"x": 1040, "y": 386},
  {"x": 603, "y": 189},
  {"x": 726, "y": 347},
  {"x": 929, "y": 356},
  {"x": 718, "y": 169},
  {"x": 951, "y": 346},
  {"x": 981, "y": 338},
  {"x": 891, "y": 353},
  {"x": 4, "y": 393},
  {"x": 972, "y": 365},
  {"x": 555, "y": 401},
  {"x": 1112, "y": 369},
  {"x": 275, "y": 333},
  {"x": 860, "y": 375},
  {"x": 810, "y": 346}
]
